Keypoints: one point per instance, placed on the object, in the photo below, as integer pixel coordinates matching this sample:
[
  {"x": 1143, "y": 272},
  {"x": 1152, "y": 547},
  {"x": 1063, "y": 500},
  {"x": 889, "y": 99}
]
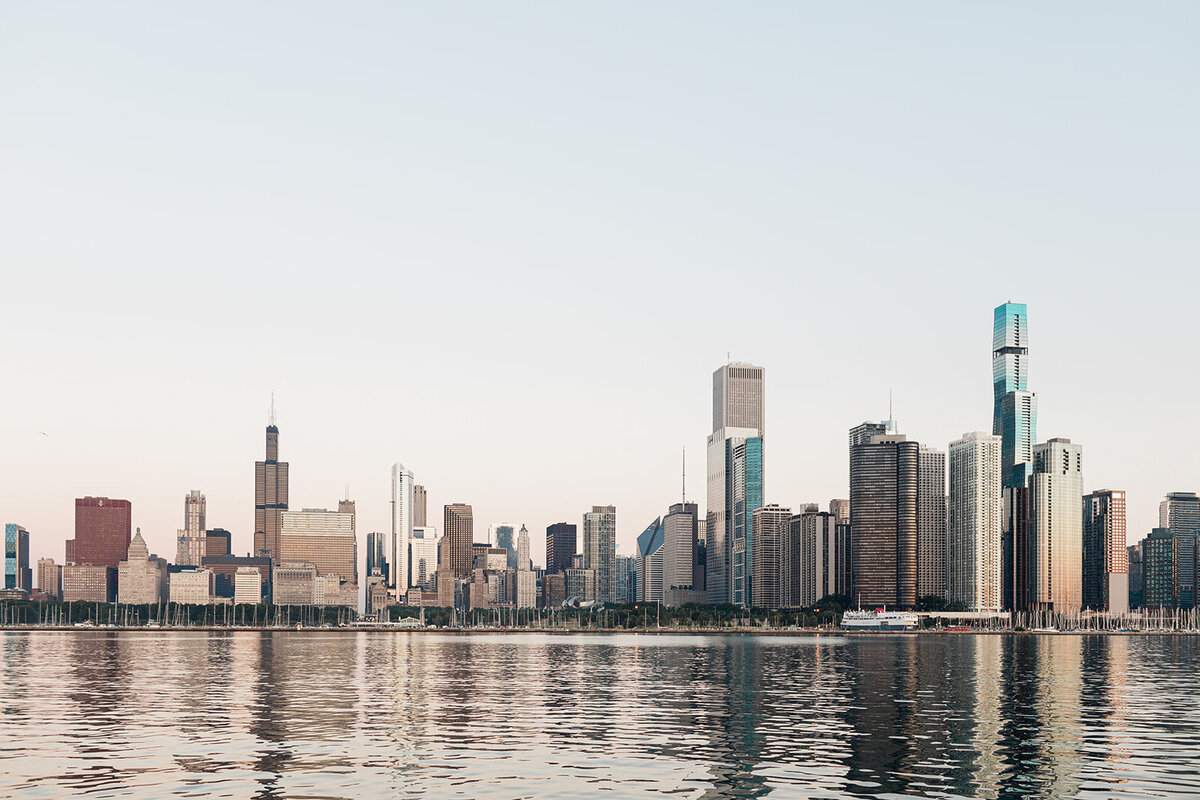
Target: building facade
[
  {"x": 192, "y": 586},
  {"x": 49, "y": 578},
  {"x": 561, "y": 545},
  {"x": 884, "y": 477},
  {"x": 423, "y": 558},
  {"x": 1160, "y": 569},
  {"x": 458, "y": 536},
  {"x": 600, "y": 549},
  {"x": 88, "y": 583},
  {"x": 270, "y": 495},
  {"x": 973, "y": 556},
  {"x": 769, "y": 523},
  {"x": 140, "y": 578},
  {"x": 420, "y": 507},
  {"x": 650, "y": 557},
  {"x": 247, "y": 586},
  {"x": 17, "y": 574},
  {"x": 1179, "y": 513},
  {"x": 403, "y": 504},
  {"x": 103, "y": 530},
  {"x": 747, "y": 497},
  {"x": 293, "y": 584},
  {"x": 322, "y": 538},
  {"x": 681, "y": 574},
  {"x": 191, "y": 541},
  {"x": 1055, "y": 556},
  {"x": 931, "y": 523},
  {"x": 1105, "y": 558}
]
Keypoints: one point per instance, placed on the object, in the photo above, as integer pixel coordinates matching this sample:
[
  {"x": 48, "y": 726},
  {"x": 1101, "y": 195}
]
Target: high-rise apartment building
[
  {"x": 420, "y": 507},
  {"x": 738, "y": 415},
  {"x": 402, "y": 526},
  {"x": 600, "y": 548},
  {"x": 322, "y": 538},
  {"x": 1105, "y": 558},
  {"x": 973, "y": 557},
  {"x": 1160, "y": 570},
  {"x": 840, "y": 510},
  {"x": 1179, "y": 513},
  {"x": 458, "y": 535},
  {"x": 931, "y": 523},
  {"x": 191, "y": 540},
  {"x": 682, "y": 575},
  {"x": 813, "y": 556},
  {"x": 769, "y": 523},
  {"x": 270, "y": 494},
  {"x": 884, "y": 478},
  {"x": 1055, "y": 555},
  {"x": 17, "y": 574},
  {"x": 103, "y": 529},
  {"x": 561, "y": 544},
  {"x": 49, "y": 578}
]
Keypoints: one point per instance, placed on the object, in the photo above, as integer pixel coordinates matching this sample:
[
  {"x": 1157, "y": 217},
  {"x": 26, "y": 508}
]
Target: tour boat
[{"x": 879, "y": 620}]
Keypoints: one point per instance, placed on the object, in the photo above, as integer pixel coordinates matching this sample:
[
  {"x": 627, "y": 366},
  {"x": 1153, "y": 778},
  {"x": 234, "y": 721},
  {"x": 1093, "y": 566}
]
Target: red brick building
[{"x": 103, "y": 530}]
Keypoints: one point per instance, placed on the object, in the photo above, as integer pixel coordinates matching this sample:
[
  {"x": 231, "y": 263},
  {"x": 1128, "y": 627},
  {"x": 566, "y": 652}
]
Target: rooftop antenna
[
  {"x": 272, "y": 418},
  {"x": 685, "y": 475}
]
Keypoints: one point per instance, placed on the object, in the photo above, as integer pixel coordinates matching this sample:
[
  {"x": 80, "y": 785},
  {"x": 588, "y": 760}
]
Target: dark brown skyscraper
[
  {"x": 270, "y": 494},
  {"x": 458, "y": 535},
  {"x": 103, "y": 530},
  {"x": 419, "y": 515},
  {"x": 561, "y": 542},
  {"x": 884, "y": 475}
]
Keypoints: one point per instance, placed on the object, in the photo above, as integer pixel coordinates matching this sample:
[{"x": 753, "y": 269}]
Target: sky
[{"x": 506, "y": 245}]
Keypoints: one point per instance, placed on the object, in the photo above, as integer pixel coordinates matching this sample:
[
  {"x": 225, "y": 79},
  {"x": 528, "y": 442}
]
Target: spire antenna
[
  {"x": 272, "y": 418},
  {"x": 685, "y": 475}
]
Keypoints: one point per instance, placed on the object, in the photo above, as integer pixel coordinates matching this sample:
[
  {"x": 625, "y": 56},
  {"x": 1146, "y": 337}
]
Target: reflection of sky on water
[{"x": 492, "y": 715}]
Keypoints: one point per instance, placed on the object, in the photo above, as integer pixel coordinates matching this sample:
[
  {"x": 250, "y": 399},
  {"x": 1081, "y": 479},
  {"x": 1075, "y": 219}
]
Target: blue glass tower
[
  {"x": 1014, "y": 415},
  {"x": 747, "y": 471},
  {"x": 17, "y": 574}
]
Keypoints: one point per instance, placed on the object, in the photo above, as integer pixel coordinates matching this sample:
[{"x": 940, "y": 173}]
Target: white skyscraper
[
  {"x": 600, "y": 549},
  {"x": 424, "y": 557},
  {"x": 523, "y": 549},
  {"x": 1056, "y": 526},
  {"x": 738, "y": 415},
  {"x": 973, "y": 555},
  {"x": 931, "y": 523},
  {"x": 402, "y": 526}
]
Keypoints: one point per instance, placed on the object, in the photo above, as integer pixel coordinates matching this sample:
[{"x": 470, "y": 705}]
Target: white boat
[{"x": 880, "y": 620}]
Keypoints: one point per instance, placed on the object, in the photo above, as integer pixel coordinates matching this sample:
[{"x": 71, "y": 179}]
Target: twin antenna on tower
[{"x": 271, "y": 417}]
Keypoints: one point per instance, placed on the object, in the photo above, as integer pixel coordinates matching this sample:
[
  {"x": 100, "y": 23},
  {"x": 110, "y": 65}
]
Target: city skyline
[{"x": 887, "y": 204}]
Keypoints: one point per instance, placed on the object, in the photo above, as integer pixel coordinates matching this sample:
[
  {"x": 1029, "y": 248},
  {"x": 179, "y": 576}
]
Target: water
[{"x": 432, "y": 715}]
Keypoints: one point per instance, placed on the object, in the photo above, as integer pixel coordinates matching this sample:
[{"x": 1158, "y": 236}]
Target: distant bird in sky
[{"x": 43, "y": 433}]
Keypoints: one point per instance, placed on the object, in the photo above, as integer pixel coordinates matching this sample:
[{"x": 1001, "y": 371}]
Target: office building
[
  {"x": 738, "y": 415},
  {"x": 1179, "y": 513},
  {"x": 1014, "y": 414},
  {"x": 377, "y": 554},
  {"x": 270, "y": 495},
  {"x": 293, "y": 584},
  {"x": 600, "y": 548},
  {"x": 747, "y": 497},
  {"x": 322, "y": 538},
  {"x": 1160, "y": 569},
  {"x": 1055, "y": 555},
  {"x": 88, "y": 583},
  {"x": 402, "y": 526},
  {"x": 458, "y": 535},
  {"x": 49, "y": 577},
  {"x": 1105, "y": 559},
  {"x": 523, "y": 560},
  {"x": 218, "y": 542},
  {"x": 192, "y": 586},
  {"x": 17, "y": 574},
  {"x": 769, "y": 524},
  {"x": 225, "y": 570},
  {"x": 561, "y": 544},
  {"x": 192, "y": 538},
  {"x": 140, "y": 577},
  {"x": 1136, "y": 577},
  {"x": 420, "y": 506},
  {"x": 554, "y": 589},
  {"x": 423, "y": 558},
  {"x": 682, "y": 575},
  {"x": 931, "y": 523},
  {"x": 247, "y": 586},
  {"x": 103, "y": 529},
  {"x": 651, "y": 564},
  {"x": 526, "y": 588},
  {"x": 884, "y": 478},
  {"x": 973, "y": 555}
]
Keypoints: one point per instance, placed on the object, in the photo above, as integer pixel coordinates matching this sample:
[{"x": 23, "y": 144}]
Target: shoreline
[{"x": 354, "y": 629}]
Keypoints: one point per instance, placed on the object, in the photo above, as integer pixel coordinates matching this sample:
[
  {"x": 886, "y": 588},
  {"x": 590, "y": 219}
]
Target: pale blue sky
[{"x": 507, "y": 244}]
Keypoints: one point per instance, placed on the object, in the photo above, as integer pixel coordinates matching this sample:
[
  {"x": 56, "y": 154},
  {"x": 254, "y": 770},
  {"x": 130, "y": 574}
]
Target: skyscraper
[
  {"x": 423, "y": 564},
  {"x": 561, "y": 543},
  {"x": 738, "y": 415},
  {"x": 931, "y": 523},
  {"x": 600, "y": 548},
  {"x": 402, "y": 525},
  {"x": 504, "y": 535},
  {"x": 139, "y": 577},
  {"x": 884, "y": 477},
  {"x": 1014, "y": 414},
  {"x": 973, "y": 559},
  {"x": 270, "y": 494},
  {"x": 191, "y": 545},
  {"x": 522, "y": 554},
  {"x": 1055, "y": 555},
  {"x": 17, "y": 574},
  {"x": 322, "y": 538},
  {"x": 1179, "y": 513},
  {"x": 419, "y": 507},
  {"x": 650, "y": 562},
  {"x": 458, "y": 536},
  {"x": 1160, "y": 570},
  {"x": 1105, "y": 558},
  {"x": 377, "y": 554},
  {"x": 103, "y": 529},
  {"x": 747, "y": 495},
  {"x": 681, "y": 573},
  {"x": 812, "y": 558},
  {"x": 50, "y": 578},
  {"x": 769, "y": 523}
]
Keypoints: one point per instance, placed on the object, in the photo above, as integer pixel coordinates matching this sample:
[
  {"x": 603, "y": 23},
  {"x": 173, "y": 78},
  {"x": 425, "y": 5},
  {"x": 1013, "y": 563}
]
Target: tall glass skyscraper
[
  {"x": 1014, "y": 414},
  {"x": 747, "y": 490}
]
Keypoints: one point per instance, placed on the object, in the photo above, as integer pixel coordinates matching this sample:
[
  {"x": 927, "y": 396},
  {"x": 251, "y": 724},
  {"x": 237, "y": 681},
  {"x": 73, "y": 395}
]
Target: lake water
[{"x": 432, "y": 715}]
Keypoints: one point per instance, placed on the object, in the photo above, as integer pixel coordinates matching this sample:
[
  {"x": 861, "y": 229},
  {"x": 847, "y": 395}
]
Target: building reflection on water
[{"x": 292, "y": 714}]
